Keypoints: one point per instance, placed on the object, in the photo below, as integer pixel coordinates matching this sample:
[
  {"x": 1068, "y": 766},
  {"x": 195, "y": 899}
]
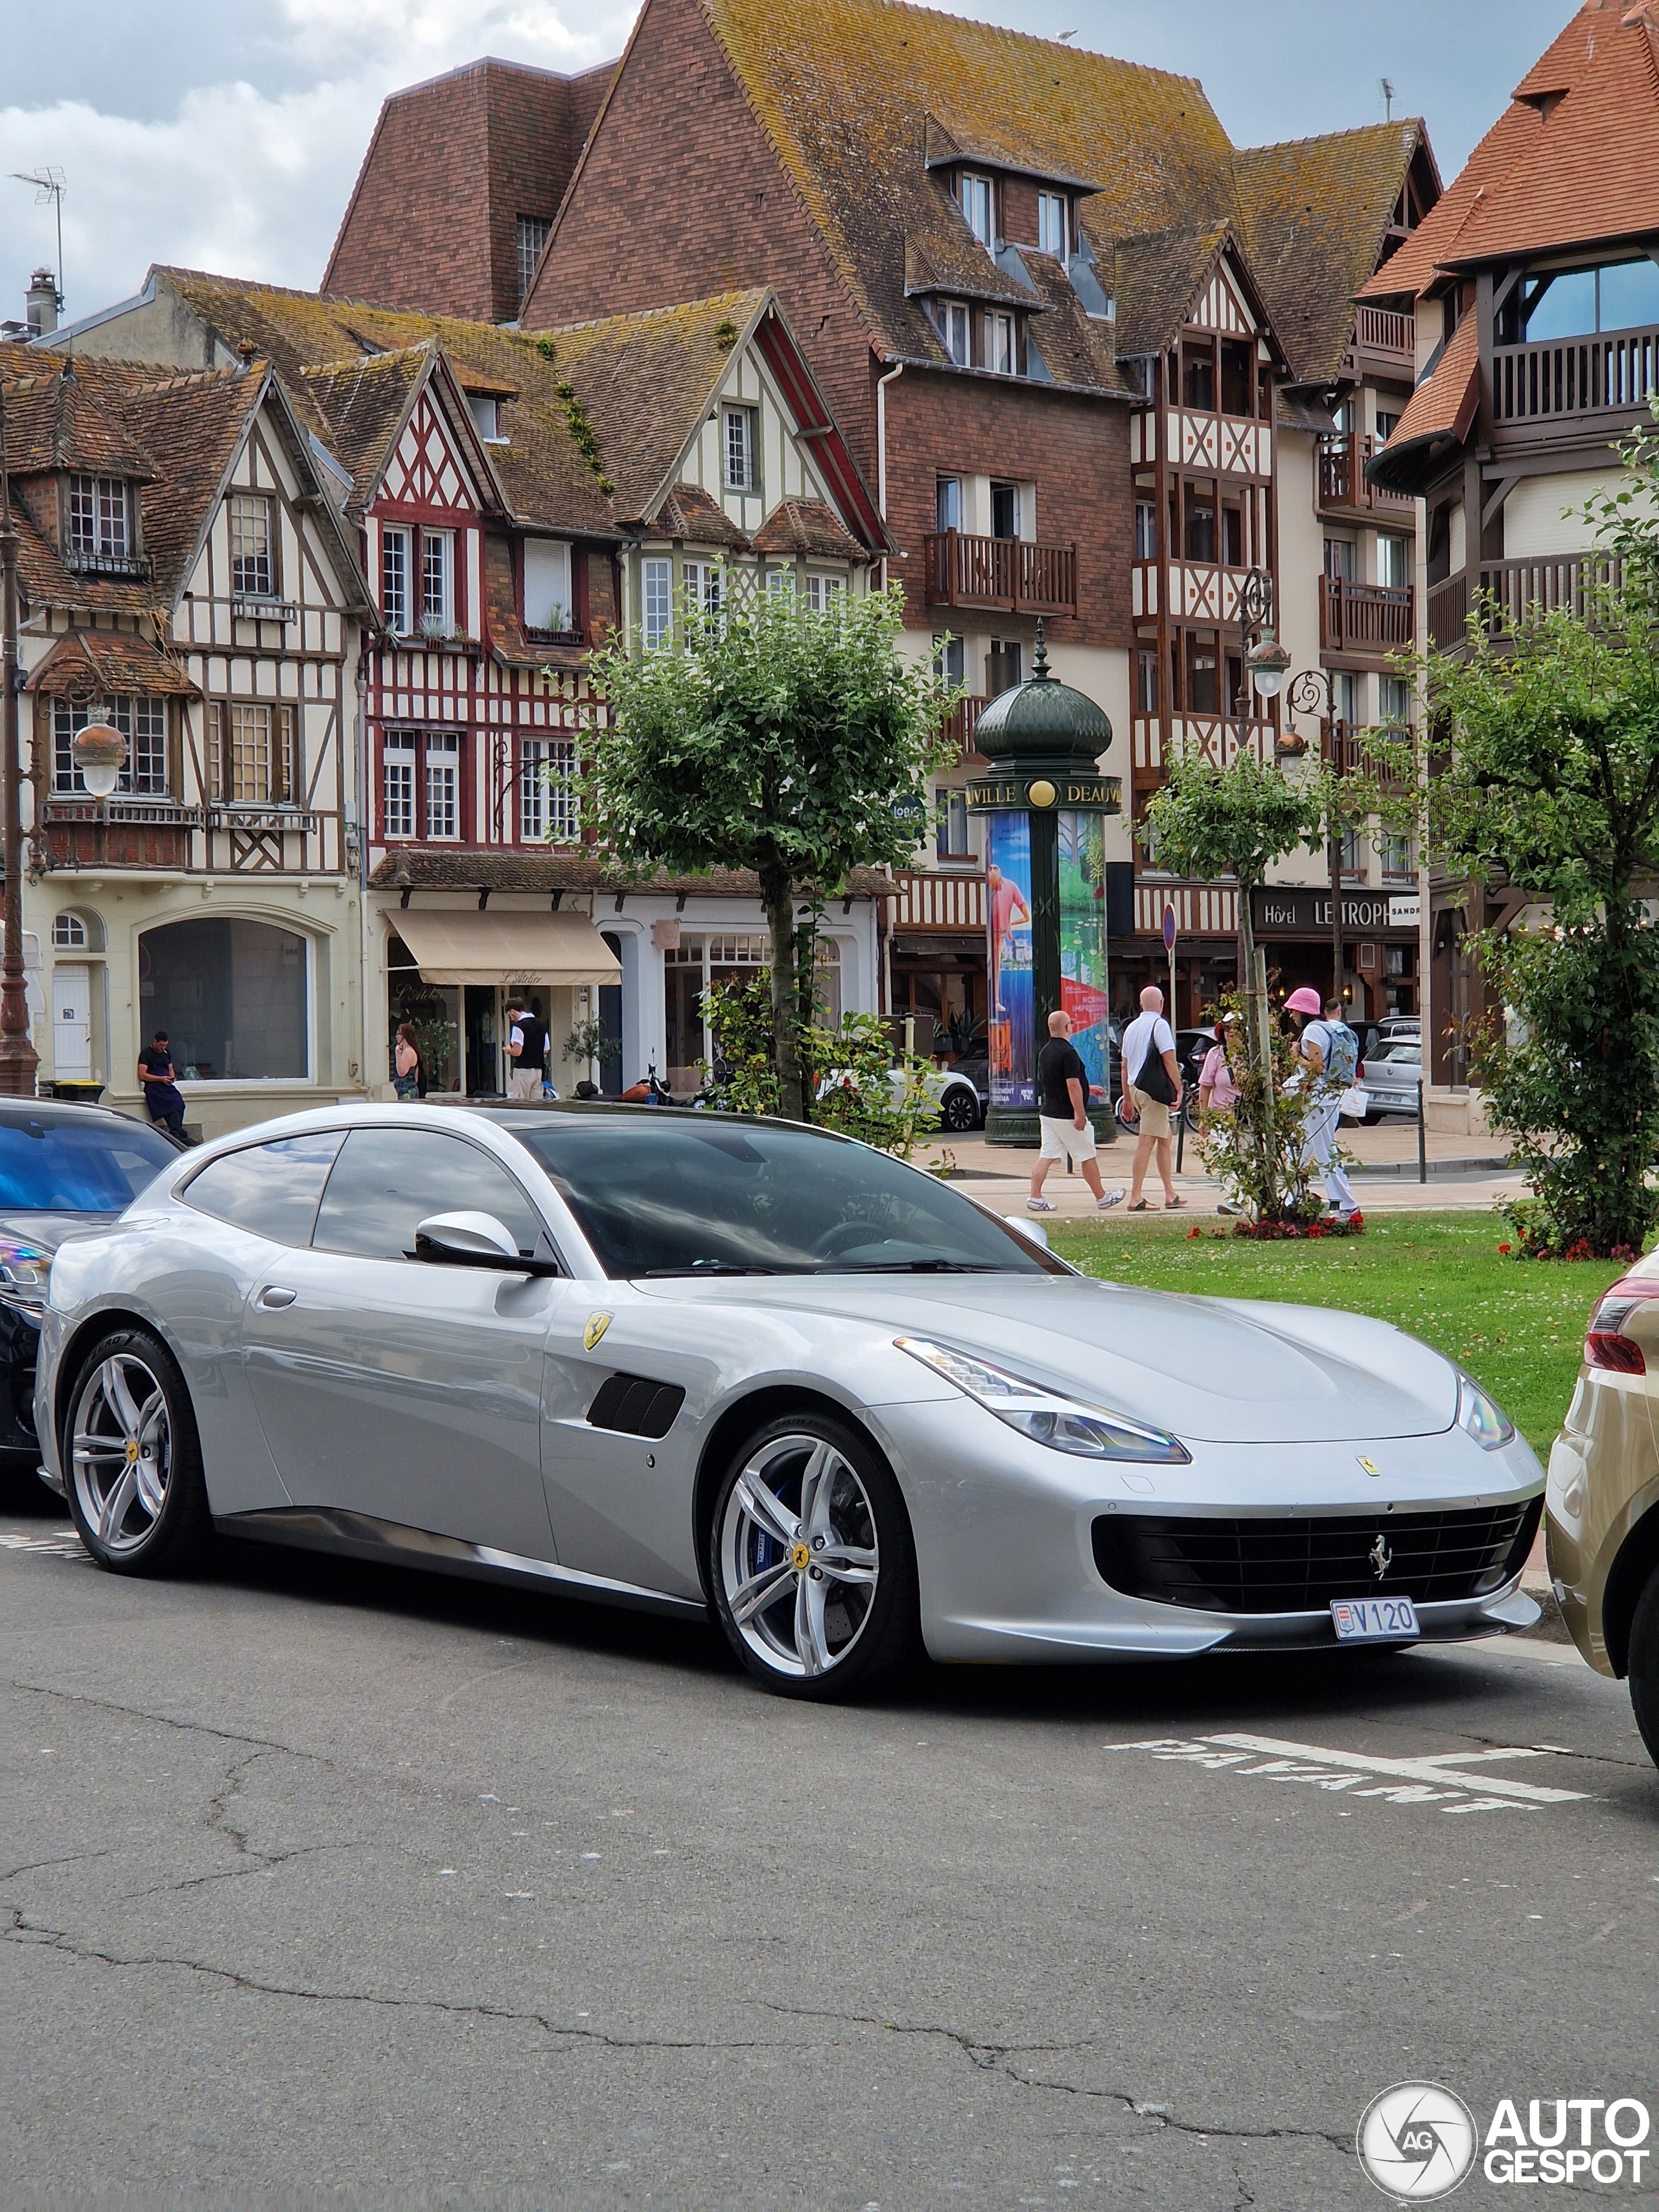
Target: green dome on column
[{"x": 1043, "y": 723}]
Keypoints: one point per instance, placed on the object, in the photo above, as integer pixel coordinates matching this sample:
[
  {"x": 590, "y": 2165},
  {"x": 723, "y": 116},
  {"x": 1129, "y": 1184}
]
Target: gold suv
[{"x": 1602, "y": 1496}]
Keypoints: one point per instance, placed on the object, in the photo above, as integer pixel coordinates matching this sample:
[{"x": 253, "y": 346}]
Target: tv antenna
[
  {"x": 1385, "y": 86},
  {"x": 48, "y": 184}
]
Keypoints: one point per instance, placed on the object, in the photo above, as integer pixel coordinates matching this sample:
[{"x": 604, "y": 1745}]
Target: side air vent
[{"x": 635, "y": 1406}]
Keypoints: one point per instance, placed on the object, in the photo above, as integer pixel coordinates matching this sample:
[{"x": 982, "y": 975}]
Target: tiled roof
[
  {"x": 845, "y": 91},
  {"x": 1441, "y": 408},
  {"x": 808, "y": 527},
  {"x": 688, "y": 511},
  {"x": 1316, "y": 213},
  {"x": 60, "y": 416},
  {"x": 1573, "y": 160},
  {"x": 95, "y": 663},
  {"x": 417, "y": 868},
  {"x": 362, "y": 404},
  {"x": 1158, "y": 275}
]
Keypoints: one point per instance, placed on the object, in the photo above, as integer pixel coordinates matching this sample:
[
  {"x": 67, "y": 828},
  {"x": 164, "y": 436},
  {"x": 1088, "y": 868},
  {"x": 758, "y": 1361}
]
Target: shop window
[
  {"x": 433, "y": 1011},
  {"x": 232, "y": 995}
]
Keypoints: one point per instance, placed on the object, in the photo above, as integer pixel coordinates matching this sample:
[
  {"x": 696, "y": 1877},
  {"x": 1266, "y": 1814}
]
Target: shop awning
[{"x": 451, "y": 946}]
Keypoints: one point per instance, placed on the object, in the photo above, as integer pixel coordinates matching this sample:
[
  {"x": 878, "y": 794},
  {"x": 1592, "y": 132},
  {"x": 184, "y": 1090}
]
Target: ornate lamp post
[
  {"x": 1310, "y": 693},
  {"x": 18, "y": 1058},
  {"x": 1044, "y": 802}
]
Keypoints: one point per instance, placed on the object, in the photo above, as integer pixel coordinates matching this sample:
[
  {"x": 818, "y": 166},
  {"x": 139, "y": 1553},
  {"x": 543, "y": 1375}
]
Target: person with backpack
[
  {"x": 1329, "y": 1050},
  {"x": 1151, "y": 1089}
]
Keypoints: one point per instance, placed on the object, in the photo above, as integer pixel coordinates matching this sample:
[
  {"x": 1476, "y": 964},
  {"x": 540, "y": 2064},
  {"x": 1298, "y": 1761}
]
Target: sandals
[
  {"x": 1170, "y": 1205},
  {"x": 1138, "y": 1206}
]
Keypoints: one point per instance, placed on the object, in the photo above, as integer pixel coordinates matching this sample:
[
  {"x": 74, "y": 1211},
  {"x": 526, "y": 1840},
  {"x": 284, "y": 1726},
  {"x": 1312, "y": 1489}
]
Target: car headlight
[
  {"x": 1486, "y": 1422},
  {"x": 1043, "y": 1415},
  {"x": 23, "y": 1277}
]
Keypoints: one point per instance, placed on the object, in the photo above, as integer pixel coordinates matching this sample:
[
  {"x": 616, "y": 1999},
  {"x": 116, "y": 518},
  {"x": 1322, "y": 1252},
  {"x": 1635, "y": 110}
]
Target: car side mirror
[
  {"x": 472, "y": 1240},
  {"x": 1032, "y": 1231}
]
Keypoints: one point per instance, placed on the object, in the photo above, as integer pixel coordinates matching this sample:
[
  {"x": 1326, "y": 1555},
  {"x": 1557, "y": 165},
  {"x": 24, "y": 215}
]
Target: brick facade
[{"x": 432, "y": 224}]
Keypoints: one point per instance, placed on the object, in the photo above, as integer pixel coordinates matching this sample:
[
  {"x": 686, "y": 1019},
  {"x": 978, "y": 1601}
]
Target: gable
[
  {"x": 425, "y": 468},
  {"x": 1224, "y": 304}
]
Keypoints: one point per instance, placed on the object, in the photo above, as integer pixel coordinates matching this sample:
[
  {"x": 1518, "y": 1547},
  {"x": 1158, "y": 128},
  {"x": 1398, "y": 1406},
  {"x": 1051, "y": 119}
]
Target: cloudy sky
[{"x": 225, "y": 134}]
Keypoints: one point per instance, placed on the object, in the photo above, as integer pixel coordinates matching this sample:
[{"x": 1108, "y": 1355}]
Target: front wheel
[
  {"x": 811, "y": 1560},
  {"x": 959, "y": 1112},
  {"x": 133, "y": 1459},
  {"x": 1645, "y": 1665}
]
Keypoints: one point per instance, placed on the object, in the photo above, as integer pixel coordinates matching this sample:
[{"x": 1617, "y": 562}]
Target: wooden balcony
[
  {"x": 1341, "y": 746},
  {"x": 1448, "y": 612},
  {"x": 1523, "y": 590},
  {"x": 923, "y": 903},
  {"x": 1381, "y": 334},
  {"x": 1370, "y": 621},
  {"x": 1613, "y": 373},
  {"x": 1013, "y": 575},
  {"x": 1341, "y": 481},
  {"x": 964, "y": 721},
  {"x": 118, "y": 833}
]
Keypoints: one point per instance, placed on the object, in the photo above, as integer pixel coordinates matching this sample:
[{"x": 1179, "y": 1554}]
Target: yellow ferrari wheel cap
[
  {"x": 596, "y": 1326},
  {"x": 133, "y": 1450},
  {"x": 799, "y": 1558}
]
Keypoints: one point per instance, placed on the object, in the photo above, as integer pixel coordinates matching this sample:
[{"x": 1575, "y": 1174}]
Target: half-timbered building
[{"x": 185, "y": 580}]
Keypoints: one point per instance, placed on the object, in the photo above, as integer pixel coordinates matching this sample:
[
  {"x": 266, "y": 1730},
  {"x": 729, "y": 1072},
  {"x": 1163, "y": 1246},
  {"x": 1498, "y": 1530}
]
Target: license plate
[{"x": 1374, "y": 1619}]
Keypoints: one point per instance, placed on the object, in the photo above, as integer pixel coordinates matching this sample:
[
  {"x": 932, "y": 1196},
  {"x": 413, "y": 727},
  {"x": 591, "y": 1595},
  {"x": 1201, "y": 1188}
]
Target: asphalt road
[{"x": 324, "y": 1885}]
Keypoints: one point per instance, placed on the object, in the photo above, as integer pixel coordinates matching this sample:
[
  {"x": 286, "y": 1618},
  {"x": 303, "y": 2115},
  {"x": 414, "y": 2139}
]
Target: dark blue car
[{"x": 62, "y": 1169}]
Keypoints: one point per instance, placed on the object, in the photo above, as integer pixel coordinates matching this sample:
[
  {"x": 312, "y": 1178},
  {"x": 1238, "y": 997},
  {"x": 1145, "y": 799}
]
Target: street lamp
[
  {"x": 1310, "y": 693},
  {"x": 1255, "y": 641},
  {"x": 100, "y": 754},
  {"x": 18, "y": 1058}
]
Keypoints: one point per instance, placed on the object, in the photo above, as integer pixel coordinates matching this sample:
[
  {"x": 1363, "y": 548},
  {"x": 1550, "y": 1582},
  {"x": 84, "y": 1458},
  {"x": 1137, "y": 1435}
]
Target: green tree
[{"x": 792, "y": 743}]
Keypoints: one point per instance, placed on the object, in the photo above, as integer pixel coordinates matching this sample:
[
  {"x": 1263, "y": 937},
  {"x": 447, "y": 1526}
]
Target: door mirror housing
[{"x": 473, "y": 1240}]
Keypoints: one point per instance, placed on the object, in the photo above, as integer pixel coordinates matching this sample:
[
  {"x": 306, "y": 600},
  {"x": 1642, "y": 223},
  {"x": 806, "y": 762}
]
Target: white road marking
[
  {"x": 1434, "y": 1778},
  {"x": 46, "y": 1547}
]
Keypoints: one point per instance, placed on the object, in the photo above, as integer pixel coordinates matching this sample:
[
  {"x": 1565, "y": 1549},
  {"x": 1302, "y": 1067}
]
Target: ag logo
[
  {"x": 596, "y": 1326},
  {"x": 1417, "y": 2142}
]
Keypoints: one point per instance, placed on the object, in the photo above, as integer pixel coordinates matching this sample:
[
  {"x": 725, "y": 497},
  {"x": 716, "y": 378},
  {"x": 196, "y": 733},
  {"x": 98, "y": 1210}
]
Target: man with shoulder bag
[{"x": 1152, "y": 1090}]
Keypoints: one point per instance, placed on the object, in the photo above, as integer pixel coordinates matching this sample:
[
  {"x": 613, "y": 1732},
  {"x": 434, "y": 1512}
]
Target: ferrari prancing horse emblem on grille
[
  {"x": 1369, "y": 1465},
  {"x": 596, "y": 1326},
  {"x": 1380, "y": 1556}
]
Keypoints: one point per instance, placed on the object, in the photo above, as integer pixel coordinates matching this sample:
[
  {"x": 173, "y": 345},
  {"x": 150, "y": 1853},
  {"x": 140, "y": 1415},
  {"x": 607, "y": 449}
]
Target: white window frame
[
  {"x": 823, "y": 592},
  {"x": 437, "y": 583},
  {"x": 956, "y": 331},
  {"x": 739, "y": 441},
  {"x": 485, "y": 409},
  {"x": 1146, "y": 529},
  {"x": 530, "y": 234},
  {"x": 394, "y": 578},
  {"x": 100, "y": 518},
  {"x": 976, "y": 195},
  {"x": 253, "y": 547},
  {"x": 68, "y": 932},
  {"x": 398, "y": 819},
  {"x": 548, "y": 812},
  {"x": 656, "y": 602},
  {"x": 443, "y": 787},
  {"x": 704, "y": 595},
  {"x": 1053, "y": 225},
  {"x": 142, "y": 721},
  {"x": 547, "y": 584},
  {"x": 1001, "y": 353},
  {"x": 1398, "y": 552}
]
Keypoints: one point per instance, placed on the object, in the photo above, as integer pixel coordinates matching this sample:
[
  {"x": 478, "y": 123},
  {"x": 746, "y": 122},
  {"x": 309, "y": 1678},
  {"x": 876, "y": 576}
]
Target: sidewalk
[{"x": 1464, "y": 1175}]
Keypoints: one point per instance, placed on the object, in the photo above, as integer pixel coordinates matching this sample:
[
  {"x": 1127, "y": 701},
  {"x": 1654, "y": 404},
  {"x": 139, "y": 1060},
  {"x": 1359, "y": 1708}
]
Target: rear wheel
[
  {"x": 811, "y": 1560},
  {"x": 1645, "y": 1665},
  {"x": 132, "y": 1458},
  {"x": 958, "y": 1111}
]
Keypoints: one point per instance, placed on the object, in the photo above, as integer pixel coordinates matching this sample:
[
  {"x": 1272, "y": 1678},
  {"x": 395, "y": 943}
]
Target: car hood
[
  {"x": 1210, "y": 1370},
  {"x": 47, "y": 1231}
]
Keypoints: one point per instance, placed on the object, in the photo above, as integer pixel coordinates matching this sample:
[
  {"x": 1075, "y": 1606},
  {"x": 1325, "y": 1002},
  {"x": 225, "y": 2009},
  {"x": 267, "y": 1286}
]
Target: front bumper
[{"x": 1005, "y": 1547}]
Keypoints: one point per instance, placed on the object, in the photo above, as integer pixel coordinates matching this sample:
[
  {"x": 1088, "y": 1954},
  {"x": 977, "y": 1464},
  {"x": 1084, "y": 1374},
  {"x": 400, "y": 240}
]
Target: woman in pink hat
[{"x": 1315, "y": 1024}]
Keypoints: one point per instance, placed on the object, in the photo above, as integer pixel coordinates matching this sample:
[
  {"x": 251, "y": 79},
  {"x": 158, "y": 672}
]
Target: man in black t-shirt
[
  {"x": 162, "y": 1096},
  {"x": 526, "y": 1051},
  {"x": 1063, "y": 1117}
]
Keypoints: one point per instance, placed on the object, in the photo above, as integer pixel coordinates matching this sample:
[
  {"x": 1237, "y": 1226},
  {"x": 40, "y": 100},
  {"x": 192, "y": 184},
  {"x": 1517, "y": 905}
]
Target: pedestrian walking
[
  {"x": 408, "y": 1070},
  {"x": 1068, "y": 1135},
  {"x": 1328, "y": 1051},
  {"x": 526, "y": 1048},
  {"x": 1152, "y": 1088},
  {"x": 159, "y": 1084},
  {"x": 1217, "y": 1090}
]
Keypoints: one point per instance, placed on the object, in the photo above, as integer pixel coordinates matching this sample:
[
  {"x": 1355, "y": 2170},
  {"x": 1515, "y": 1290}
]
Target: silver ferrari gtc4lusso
[{"x": 699, "y": 1363}]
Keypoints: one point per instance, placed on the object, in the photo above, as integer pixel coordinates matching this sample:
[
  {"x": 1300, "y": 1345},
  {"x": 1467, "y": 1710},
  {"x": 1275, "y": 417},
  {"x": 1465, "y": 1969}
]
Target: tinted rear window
[
  {"x": 655, "y": 1193},
  {"x": 388, "y": 1181},
  {"x": 270, "y": 1190},
  {"x": 89, "y": 1166}
]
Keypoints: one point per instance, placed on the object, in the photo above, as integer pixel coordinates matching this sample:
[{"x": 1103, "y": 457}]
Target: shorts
[
  {"x": 525, "y": 1083},
  {"x": 1063, "y": 1140},
  {"x": 1152, "y": 1116}
]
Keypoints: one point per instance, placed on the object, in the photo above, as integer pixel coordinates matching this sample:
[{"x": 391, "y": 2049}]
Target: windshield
[
  {"x": 660, "y": 1195},
  {"x": 90, "y": 1166}
]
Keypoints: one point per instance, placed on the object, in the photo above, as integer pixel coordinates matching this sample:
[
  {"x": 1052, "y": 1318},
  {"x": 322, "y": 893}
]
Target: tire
[
  {"x": 959, "y": 1112},
  {"x": 132, "y": 1459},
  {"x": 820, "y": 1636},
  {"x": 1645, "y": 1665}
]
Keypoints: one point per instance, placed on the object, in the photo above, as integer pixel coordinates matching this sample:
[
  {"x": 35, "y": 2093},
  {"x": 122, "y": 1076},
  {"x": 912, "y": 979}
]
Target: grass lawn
[{"x": 1516, "y": 1325}]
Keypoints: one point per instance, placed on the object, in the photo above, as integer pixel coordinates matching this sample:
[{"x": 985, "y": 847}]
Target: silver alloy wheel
[
  {"x": 799, "y": 1558},
  {"x": 122, "y": 1444}
]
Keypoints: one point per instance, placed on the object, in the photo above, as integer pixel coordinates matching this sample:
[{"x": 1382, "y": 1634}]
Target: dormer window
[
  {"x": 999, "y": 345},
  {"x": 547, "y": 602},
  {"x": 978, "y": 206},
  {"x": 953, "y": 329},
  {"x": 98, "y": 517},
  {"x": 1051, "y": 224},
  {"x": 486, "y": 412}
]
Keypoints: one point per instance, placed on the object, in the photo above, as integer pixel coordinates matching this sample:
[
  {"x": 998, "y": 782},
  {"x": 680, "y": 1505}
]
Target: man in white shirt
[{"x": 1149, "y": 1046}]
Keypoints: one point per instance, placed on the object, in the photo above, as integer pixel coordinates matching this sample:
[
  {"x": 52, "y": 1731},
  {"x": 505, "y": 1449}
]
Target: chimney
[{"x": 42, "y": 298}]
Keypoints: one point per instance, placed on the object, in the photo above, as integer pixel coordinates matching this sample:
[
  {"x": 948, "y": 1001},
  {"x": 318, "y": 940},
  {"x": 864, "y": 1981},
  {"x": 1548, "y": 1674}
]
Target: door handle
[{"x": 274, "y": 1295}]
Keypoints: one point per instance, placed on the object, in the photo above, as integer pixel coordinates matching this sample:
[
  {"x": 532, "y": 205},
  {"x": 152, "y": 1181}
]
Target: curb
[{"x": 1490, "y": 1163}]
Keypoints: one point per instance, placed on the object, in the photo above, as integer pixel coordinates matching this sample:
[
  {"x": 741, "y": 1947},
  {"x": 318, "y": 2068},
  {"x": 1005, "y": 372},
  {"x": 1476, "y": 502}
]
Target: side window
[
  {"x": 386, "y": 1180},
  {"x": 270, "y": 1190}
]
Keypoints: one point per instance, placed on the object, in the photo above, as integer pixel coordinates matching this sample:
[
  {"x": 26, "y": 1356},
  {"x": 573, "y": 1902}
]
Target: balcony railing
[
  {"x": 1016, "y": 575},
  {"x": 963, "y": 721},
  {"x": 1522, "y": 591},
  {"x": 1341, "y": 746},
  {"x": 1341, "y": 479},
  {"x": 923, "y": 901},
  {"x": 1370, "y": 619},
  {"x": 1383, "y": 331},
  {"x": 1612, "y": 373}
]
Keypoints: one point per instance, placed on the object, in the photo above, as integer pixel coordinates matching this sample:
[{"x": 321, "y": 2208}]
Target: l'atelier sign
[
  {"x": 1304, "y": 913},
  {"x": 1095, "y": 794}
]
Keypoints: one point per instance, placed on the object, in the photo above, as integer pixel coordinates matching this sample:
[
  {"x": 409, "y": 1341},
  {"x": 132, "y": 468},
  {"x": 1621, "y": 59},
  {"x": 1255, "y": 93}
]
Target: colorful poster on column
[
  {"x": 1083, "y": 982},
  {"x": 1008, "y": 928}
]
